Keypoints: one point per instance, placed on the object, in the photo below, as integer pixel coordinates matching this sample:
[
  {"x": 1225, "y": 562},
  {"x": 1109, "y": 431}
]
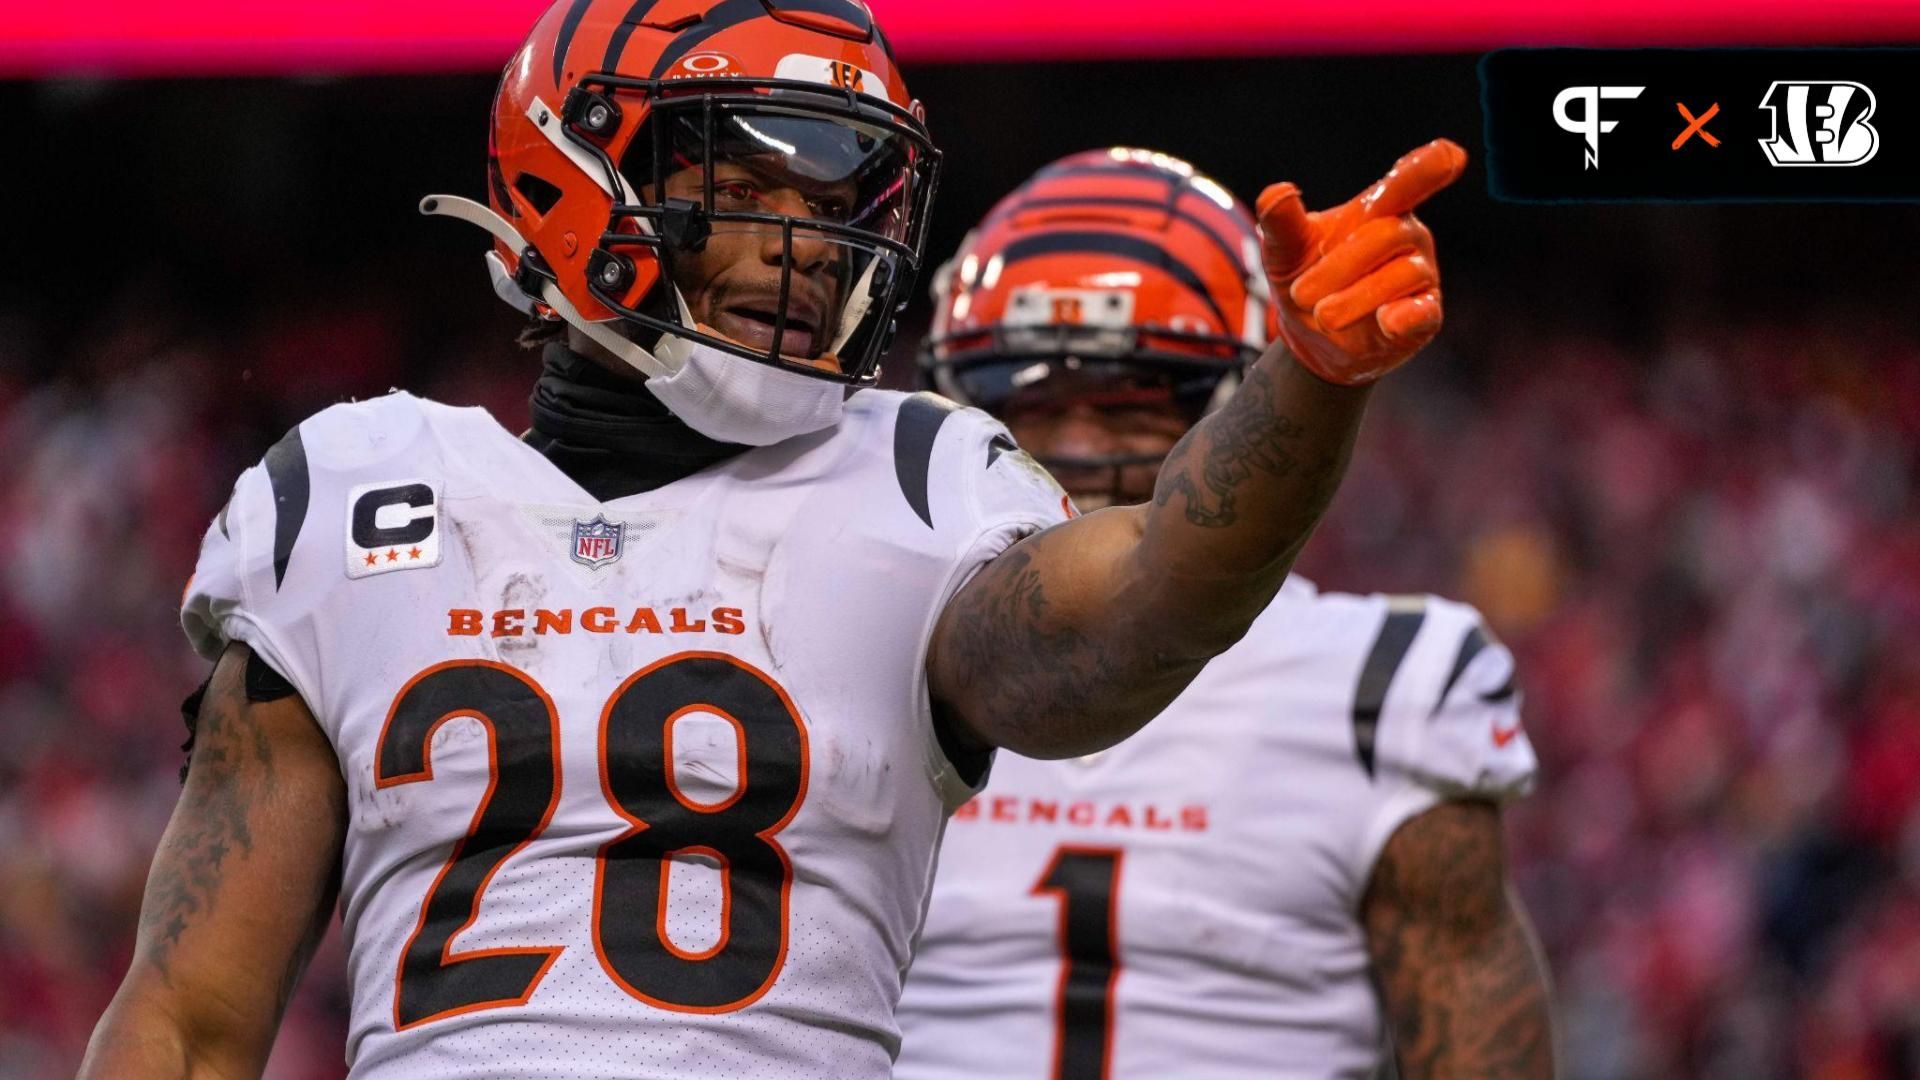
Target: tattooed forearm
[
  {"x": 232, "y": 763},
  {"x": 1240, "y": 494},
  {"x": 1238, "y": 498},
  {"x": 1463, "y": 984},
  {"x": 1247, "y": 436}
]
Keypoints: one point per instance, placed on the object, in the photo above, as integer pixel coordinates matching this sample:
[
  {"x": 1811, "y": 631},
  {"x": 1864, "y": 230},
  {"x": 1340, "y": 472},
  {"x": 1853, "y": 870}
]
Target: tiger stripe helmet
[
  {"x": 1123, "y": 261},
  {"x": 607, "y": 97}
]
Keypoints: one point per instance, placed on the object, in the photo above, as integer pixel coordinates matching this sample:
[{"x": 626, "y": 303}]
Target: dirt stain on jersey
[
  {"x": 523, "y": 591},
  {"x": 856, "y": 779}
]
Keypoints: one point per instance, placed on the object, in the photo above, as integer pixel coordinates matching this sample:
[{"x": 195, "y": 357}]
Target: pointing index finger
[{"x": 1413, "y": 180}]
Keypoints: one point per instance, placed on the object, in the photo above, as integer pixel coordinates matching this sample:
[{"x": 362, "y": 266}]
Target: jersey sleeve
[
  {"x": 242, "y": 589},
  {"x": 1450, "y": 723},
  {"x": 1013, "y": 487},
  {"x": 980, "y": 494}
]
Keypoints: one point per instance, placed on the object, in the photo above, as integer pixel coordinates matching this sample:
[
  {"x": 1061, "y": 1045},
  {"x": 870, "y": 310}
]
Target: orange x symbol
[{"x": 1697, "y": 125}]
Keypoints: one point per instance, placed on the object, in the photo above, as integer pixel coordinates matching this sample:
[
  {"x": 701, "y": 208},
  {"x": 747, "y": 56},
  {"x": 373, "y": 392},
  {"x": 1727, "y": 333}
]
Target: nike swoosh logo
[{"x": 1503, "y": 736}]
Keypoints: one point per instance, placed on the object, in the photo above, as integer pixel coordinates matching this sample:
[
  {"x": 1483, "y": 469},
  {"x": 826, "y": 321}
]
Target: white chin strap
[
  {"x": 672, "y": 351},
  {"x": 858, "y": 301}
]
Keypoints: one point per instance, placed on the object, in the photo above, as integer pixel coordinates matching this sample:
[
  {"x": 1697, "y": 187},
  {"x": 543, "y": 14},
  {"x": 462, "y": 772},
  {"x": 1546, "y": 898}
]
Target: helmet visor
[
  {"x": 765, "y": 160},
  {"x": 1013, "y": 386}
]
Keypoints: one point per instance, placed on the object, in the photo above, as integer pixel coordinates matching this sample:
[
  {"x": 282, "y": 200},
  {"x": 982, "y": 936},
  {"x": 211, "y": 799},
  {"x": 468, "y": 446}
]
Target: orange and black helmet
[
  {"x": 607, "y": 98},
  {"x": 1119, "y": 268}
]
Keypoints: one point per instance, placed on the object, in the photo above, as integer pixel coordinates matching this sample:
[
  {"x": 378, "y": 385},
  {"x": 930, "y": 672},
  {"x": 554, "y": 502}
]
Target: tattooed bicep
[
  {"x": 263, "y": 806},
  {"x": 1035, "y": 634},
  {"x": 1446, "y": 866},
  {"x": 1459, "y": 973}
]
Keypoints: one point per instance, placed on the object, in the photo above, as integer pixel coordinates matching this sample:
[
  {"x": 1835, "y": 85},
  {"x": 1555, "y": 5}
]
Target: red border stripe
[{"x": 125, "y": 37}]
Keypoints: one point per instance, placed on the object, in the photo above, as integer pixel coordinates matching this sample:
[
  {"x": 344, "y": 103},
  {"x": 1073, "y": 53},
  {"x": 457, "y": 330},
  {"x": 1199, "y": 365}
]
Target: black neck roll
[{"x": 608, "y": 434}]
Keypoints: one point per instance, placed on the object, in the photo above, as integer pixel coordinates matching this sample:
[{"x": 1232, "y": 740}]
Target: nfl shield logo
[{"x": 598, "y": 542}]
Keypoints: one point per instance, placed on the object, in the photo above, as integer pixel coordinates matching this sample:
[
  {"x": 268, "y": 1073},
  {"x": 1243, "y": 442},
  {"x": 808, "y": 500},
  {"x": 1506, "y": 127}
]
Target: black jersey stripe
[
  {"x": 1000, "y": 444},
  {"x": 914, "y": 431},
  {"x": 287, "y": 477},
  {"x": 1470, "y": 647},
  {"x": 1376, "y": 676},
  {"x": 1500, "y": 693}
]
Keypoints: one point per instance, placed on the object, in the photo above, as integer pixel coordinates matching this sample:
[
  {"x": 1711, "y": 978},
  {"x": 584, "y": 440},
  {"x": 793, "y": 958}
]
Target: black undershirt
[{"x": 608, "y": 434}]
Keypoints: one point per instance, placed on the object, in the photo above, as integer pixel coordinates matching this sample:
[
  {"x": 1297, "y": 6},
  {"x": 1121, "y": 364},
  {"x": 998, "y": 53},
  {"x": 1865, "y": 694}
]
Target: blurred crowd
[
  {"x": 1706, "y": 556},
  {"x": 1704, "y": 549}
]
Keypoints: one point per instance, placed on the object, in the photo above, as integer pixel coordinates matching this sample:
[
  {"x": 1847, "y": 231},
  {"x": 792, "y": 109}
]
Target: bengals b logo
[
  {"x": 1819, "y": 123},
  {"x": 1066, "y": 309},
  {"x": 847, "y": 76}
]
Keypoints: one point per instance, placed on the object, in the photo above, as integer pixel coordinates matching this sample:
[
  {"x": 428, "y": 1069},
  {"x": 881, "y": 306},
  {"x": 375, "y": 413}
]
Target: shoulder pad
[
  {"x": 356, "y": 434},
  {"x": 281, "y": 543}
]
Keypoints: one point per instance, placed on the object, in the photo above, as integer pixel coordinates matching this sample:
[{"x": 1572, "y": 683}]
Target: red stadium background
[{"x": 1671, "y": 451}]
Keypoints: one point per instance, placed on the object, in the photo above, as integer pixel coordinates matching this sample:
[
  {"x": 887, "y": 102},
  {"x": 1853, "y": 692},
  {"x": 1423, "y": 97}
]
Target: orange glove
[{"x": 1356, "y": 286}]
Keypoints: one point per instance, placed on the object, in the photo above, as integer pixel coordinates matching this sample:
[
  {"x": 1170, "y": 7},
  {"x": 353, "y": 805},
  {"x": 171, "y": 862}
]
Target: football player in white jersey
[
  {"x": 627, "y": 745},
  {"x": 1303, "y": 852}
]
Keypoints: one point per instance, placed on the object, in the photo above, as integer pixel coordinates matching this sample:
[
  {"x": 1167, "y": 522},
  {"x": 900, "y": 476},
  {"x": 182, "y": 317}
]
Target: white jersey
[
  {"x": 646, "y": 788},
  {"x": 1186, "y": 904}
]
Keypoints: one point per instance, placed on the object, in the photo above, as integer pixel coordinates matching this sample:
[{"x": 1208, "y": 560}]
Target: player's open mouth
[{"x": 753, "y": 327}]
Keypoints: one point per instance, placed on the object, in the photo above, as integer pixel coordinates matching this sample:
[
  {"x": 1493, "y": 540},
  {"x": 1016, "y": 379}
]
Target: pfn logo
[
  {"x": 1588, "y": 124},
  {"x": 1826, "y": 124}
]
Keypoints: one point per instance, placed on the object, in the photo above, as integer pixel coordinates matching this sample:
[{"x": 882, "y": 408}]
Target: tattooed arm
[
  {"x": 1464, "y": 985},
  {"x": 238, "y": 895},
  {"x": 1074, "y": 638}
]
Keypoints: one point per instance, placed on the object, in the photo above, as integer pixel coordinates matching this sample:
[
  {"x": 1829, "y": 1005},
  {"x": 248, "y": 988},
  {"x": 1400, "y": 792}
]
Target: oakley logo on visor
[{"x": 704, "y": 65}]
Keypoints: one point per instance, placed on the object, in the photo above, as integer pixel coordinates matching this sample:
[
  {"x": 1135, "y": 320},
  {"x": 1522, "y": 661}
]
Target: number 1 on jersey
[{"x": 1086, "y": 881}]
